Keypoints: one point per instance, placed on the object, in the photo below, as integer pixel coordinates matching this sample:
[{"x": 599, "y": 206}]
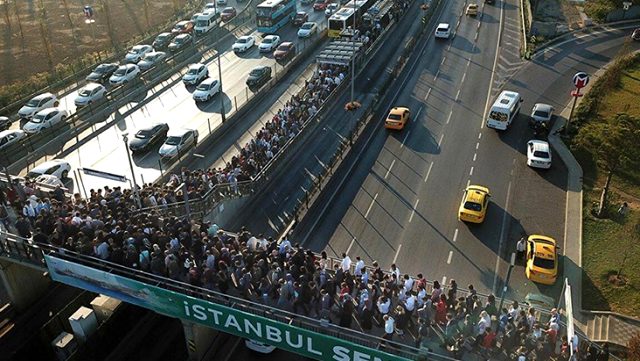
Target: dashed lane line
[{"x": 371, "y": 205}]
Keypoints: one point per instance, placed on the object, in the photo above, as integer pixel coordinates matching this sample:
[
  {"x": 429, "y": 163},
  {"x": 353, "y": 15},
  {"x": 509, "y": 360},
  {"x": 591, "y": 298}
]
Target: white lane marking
[
  {"x": 468, "y": 182},
  {"x": 449, "y": 258},
  {"x": 468, "y": 62},
  {"x": 479, "y": 135},
  {"x": 371, "y": 205},
  {"x": 443, "y": 59},
  {"x": 471, "y": 171},
  {"x": 397, "y": 253},
  {"x": 495, "y": 63},
  {"x": 440, "y": 140},
  {"x": 389, "y": 169},
  {"x": 463, "y": 76},
  {"x": 353, "y": 240},
  {"x": 458, "y": 95},
  {"x": 413, "y": 211},
  {"x": 475, "y": 38},
  {"x": 449, "y": 117},
  {"x": 503, "y": 229},
  {"x": 436, "y": 76},
  {"x": 405, "y": 139},
  {"x": 474, "y": 156},
  {"x": 455, "y": 235},
  {"x": 428, "y": 93},
  {"x": 449, "y": 47},
  {"x": 428, "y": 172},
  {"x": 477, "y": 145},
  {"x": 444, "y": 281}
]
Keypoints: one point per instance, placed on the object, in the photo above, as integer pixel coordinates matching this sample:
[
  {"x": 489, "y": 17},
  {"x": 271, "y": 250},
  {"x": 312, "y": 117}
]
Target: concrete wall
[{"x": 24, "y": 284}]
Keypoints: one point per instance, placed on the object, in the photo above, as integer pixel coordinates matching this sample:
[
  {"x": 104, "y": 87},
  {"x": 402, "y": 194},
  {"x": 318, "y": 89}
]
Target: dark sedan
[
  {"x": 146, "y": 137},
  {"x": 162, "y": 41},
  {"x": 180, "y": 42},
  {"x": 102, "y": 73},
  {"x": 258, "y": 76}
]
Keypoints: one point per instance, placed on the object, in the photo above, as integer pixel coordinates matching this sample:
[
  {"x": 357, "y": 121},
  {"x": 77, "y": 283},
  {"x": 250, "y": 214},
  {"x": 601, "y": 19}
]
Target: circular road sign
[{"x": 581, "y": 79}]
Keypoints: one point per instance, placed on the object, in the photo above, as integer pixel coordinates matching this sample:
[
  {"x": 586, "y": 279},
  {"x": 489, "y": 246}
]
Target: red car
[
  {"x": 183, "y": 27},
  {"x": 228, "y": 13},
  {"x": 320, "y": 4},
  {"x": 284, "y": 51}
]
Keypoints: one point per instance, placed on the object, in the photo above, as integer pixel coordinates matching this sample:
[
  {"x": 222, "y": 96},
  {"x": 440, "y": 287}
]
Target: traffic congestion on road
[{"x": 388, "y": 174}]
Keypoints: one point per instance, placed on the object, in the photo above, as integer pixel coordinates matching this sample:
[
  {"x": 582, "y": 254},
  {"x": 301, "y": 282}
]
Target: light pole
[
  {"x": 506, "y": 282},
  {"x": 224, "y": 117},
  {"x": 136, "y": 195},
  {"x": 353, "y": 56}
]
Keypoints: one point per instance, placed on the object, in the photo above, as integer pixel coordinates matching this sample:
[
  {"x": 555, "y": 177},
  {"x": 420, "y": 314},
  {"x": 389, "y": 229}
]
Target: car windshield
[
  {"x": 283, "y": 47},
  {"x": 163, "y": 37},
  {"x": 307, "y": 26},
  {"x": 541, "y": 154},
  {"x": 120, "y": 72},
  {"x": 180, "y": 40},
  {"x": 150, "y": 57},
  {"x": 256, "y": 72},
  {"x": 268, "y": 40},
  {"x": 33, "y": 102},
  {"x": 541, "y": 114},
  {"x": 84, "y": 92},
  {"x": 473, "y": 206},
  {"x": 136, "y": 51},
  {"x": 242, "y": 40},
  {"x": 442, "y": 29},
  {"x": 395, "y": 116},
  {"x": 193, "y": 71},
  {"x": 204, "y": 86},
  {"x": 103, "y": 68},
  {"x": 543, "y": 263},
  {"x": 38, "y": 118},
  {"x": 181, "y": 26},
  {"x": 144, "y": 134},
  {"x": 173, "y": 141}
]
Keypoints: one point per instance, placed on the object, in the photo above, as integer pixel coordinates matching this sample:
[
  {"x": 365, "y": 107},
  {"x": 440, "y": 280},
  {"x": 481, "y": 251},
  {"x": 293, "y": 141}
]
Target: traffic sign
[{"x": 581, "y": 79}]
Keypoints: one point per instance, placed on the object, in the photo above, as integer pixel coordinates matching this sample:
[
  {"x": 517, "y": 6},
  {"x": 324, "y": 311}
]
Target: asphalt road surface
[{"x": 175, "y": 106}]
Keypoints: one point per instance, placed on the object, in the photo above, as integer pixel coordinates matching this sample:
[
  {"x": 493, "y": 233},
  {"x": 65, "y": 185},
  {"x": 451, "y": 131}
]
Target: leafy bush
[{"x": 598, "y": 9}]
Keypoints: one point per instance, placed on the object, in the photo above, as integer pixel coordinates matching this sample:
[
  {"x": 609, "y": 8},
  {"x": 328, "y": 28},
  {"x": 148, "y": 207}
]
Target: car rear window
[
  {"x": 473, "y": 206},
  {"x": 442, "y": 29},
  {"x": 395, "y": 116},
  {"x": 543, "y": 263},
  {"x": 541, "y": 154},
  {"x": 541, "y": 114}
]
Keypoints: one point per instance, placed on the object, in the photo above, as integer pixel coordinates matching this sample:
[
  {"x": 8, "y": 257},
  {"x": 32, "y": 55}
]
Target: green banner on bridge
[{"x": 262, "y": 329}]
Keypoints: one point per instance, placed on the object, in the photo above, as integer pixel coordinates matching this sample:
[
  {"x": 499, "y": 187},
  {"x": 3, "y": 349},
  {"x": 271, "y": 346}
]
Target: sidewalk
[{"x": 598, "y": 326}]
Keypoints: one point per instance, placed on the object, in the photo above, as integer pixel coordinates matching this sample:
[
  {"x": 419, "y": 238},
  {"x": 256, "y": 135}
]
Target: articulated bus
[
  {"x": 344, "y": 17},
  {"x": 271, "y": 15}
]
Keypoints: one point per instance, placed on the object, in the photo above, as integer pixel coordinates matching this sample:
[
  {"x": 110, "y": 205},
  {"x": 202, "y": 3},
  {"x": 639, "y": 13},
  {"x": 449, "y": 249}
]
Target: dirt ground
[
  {"x": 552, "y": 17},
  {"x": 23, "y": 53}
]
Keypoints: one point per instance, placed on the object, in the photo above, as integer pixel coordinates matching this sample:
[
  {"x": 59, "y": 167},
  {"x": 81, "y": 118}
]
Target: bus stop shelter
[{"x": 340, "y": 52}]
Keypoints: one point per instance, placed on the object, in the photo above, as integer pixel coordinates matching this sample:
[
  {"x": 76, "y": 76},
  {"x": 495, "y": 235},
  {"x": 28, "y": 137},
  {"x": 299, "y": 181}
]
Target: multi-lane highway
[{"x": 174, "y": 105}]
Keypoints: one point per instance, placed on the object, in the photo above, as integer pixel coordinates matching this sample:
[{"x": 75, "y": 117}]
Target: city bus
[
  {"x": 344, "y": 17},
  {"x": 271, "y": 15}
]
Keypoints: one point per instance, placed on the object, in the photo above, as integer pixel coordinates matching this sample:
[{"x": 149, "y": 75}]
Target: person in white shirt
[
  {"x": 408, "y": 283},
  {"x": 252, "y": 244},
  {"x": 359, "y": 267},
  {"x": 483, "y": 323},
  {"x": 410, "y": 302},
  {"x": 422, "y": 294},
  {"x": 384, "y": 304},
  {"x": 346, "y": 263},
  {"x": 389, "y": 327},
  {"x": 395, "y": 270}
]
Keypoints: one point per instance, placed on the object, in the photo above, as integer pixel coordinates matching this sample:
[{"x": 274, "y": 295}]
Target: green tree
[{"x": 615, "y": 146}]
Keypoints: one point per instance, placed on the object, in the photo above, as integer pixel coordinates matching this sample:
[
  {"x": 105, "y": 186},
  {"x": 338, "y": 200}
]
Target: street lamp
[
  {"x": 506, "y": 282},
  {"x": 353, "y": 56},
  {"x": 136, "y": 195},
  {"x": 224, "y": 117}
]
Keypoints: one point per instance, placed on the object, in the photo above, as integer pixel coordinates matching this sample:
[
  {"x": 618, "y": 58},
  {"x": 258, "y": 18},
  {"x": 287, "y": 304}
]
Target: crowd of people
[{"x": 395, "y": 305}]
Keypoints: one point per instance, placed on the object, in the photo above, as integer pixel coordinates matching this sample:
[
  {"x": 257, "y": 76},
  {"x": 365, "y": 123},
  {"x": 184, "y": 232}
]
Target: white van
[
  {"x": 205, "y": 22},
  {"x": 504, "y": 110}
]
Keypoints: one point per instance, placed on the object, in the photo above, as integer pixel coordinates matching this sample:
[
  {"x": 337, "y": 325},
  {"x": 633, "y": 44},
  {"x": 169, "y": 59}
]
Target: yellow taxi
[
  {"x": 397, "y": 118},
  {"x": 474, "y": 204},
  {"x": 542, "y": 259}
]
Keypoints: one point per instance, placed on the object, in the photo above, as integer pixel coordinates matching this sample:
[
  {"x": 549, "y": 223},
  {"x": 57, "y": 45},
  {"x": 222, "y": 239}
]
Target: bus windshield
[{"x": 263, "y": 12}]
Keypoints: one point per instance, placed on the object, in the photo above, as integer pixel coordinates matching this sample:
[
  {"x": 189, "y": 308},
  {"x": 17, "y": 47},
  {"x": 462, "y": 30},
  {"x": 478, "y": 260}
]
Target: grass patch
[{"x": 606, "y": 241}]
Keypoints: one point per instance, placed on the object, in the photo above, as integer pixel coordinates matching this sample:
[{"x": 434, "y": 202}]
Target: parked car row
[{"x": 173, "y": 142}]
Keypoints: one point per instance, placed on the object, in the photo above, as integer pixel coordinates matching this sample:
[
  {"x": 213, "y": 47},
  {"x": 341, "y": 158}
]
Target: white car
[
  {"x": 541, "y": 113},
  {"x": 331, "y": 8},
  {"x": 443, "y": 31},
  {"x": 307, "y": 29},
  {"x": 137, "y": 53},
  {"x": 206, "y": 90},
  {"x": 208, "y": 6},
  {"x": 124, "y": 74},
  {"x": 45, "y": 119},
  {"x": 221, "y": 2},
  {"x": 42, "y": 101},
  {"x": 269, "y": 43},
  {"x": 55, "y": 167},
  {"x": 244, "y": 43},
  {"x": 10, "y": 136},
  {"x": 151, "y": 59},
  {"x": 538, "y": 154},
  {"x": 91, "y": 93},
  {"x": 178, "y": 141},
  {"x": 196, "y": 73}
]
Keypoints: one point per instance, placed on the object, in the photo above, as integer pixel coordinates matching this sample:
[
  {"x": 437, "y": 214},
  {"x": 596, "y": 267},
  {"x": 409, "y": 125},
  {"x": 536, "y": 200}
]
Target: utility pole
[{"x": 136, "y": 194}]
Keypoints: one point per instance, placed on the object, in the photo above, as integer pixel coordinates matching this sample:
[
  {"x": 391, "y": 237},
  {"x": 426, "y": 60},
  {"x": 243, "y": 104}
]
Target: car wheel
[{"x": 64, "y": 174}]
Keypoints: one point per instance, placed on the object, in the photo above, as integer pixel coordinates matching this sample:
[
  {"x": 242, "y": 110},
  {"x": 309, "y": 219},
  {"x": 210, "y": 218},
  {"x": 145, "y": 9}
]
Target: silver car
[{"x": 541, "y": 113}]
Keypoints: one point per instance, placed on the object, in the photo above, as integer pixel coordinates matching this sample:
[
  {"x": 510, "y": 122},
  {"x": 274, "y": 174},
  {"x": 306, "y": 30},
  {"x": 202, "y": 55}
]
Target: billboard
[{"x": 282, "y": 335}]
